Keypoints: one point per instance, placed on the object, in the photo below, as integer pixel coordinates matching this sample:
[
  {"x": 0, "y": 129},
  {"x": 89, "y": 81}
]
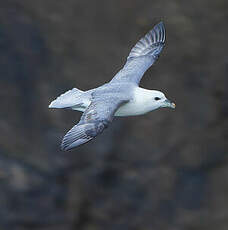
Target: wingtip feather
[
  {"x": 155, "y": 37},
  {"x": 66, "y": 147},
  {"x": 75, "y": 137}
]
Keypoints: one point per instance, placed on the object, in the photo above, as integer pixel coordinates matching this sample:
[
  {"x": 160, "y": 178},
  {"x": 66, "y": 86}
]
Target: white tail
[{"x": 68, "y": 99}]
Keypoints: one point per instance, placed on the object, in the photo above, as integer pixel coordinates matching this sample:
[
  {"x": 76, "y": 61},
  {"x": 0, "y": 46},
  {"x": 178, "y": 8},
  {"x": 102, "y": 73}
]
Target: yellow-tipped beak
[
  {"x": 173, "y": 105},
  {"x": 168, "y": 103}
]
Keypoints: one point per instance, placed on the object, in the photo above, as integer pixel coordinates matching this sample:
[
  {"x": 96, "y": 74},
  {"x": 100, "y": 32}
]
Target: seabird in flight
[{"x": 122, "y": 96}]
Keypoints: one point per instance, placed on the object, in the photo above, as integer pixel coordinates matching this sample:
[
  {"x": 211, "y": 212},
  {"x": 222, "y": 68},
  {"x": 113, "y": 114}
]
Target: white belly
[{"x": 132, "y": 108}]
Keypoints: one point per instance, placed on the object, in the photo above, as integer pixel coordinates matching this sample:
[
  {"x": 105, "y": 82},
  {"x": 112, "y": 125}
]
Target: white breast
[{"x": 141, "y": 103}]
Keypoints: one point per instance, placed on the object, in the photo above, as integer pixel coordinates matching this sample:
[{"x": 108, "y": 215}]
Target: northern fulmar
[{"x": 122, "y": 96}]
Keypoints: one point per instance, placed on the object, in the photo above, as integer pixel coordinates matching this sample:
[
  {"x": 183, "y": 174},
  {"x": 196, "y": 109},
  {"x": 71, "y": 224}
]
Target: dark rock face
[{"x": 165, "y": 170}]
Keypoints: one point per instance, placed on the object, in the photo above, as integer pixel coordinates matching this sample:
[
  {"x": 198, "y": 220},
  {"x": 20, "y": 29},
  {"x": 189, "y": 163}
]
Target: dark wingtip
[
  {"x": 160, "y": 24},
  {"x": 153, "y": 40},
  {"x": 159, "y": 29},
  {"x": 63, "y": 147}
]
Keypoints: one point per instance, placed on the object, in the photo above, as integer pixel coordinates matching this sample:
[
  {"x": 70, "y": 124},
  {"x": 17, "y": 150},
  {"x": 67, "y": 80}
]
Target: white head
[
  {"x": 144, "y": 101},
  {"x": 158, "y": 100}
]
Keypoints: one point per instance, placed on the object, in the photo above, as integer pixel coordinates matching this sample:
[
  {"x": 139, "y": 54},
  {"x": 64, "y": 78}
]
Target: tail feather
[{"x": 67, "y": 99}]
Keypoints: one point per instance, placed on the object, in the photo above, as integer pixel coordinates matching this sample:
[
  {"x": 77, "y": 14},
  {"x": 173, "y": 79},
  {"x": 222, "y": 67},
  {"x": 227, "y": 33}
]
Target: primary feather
[{"x": 143, "y": 55}]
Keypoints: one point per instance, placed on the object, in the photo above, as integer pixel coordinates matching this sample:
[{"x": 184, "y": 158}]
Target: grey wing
[
  {"x": 142, "y": 55},
  {"x": 93, "y": 121}
]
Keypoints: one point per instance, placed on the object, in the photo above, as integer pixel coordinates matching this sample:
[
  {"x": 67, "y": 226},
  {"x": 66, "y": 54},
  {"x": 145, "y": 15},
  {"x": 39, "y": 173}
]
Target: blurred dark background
[{"x": 164, "y": 170}]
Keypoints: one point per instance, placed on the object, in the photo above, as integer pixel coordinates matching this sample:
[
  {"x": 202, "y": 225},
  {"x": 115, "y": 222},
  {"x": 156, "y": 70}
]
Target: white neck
[{"x": 140, "y": 104}]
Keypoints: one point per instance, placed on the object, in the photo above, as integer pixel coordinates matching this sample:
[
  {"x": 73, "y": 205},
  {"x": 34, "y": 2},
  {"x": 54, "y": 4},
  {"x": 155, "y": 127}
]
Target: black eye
[{"x": 157, "y": 98}]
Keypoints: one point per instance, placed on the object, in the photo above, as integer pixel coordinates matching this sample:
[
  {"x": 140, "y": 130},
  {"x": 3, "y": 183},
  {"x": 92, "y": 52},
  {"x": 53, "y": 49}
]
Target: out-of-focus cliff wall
[{"x": 165, "y": 170}]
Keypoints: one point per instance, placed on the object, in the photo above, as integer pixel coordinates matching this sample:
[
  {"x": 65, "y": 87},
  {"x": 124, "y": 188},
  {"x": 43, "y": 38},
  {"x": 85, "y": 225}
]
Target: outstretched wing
[
  {"x": 93, "y": 121},
  {"x": 142, "y": 55}
]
